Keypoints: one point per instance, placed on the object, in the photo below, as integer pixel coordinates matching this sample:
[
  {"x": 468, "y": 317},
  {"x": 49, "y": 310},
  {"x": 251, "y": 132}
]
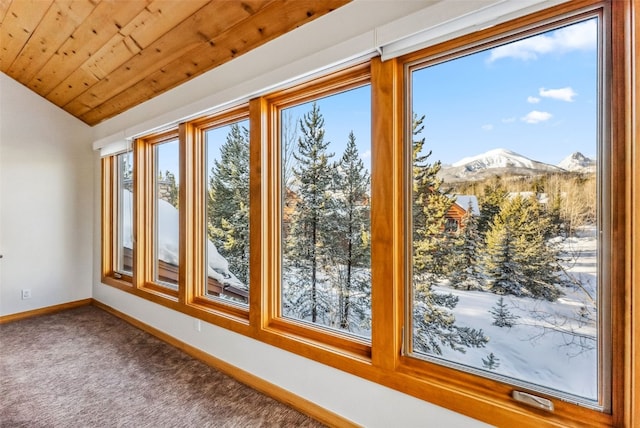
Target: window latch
[{"x": 533, "y": 400}]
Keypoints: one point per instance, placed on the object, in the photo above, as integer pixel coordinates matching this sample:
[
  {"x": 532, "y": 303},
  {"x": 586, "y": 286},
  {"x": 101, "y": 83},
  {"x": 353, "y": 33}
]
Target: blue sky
[
  {"x": 536, "y": 97},
  {"x": 343, "y": 112}
]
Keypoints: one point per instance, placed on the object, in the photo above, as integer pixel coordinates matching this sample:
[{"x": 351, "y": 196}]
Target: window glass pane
[
  {"x": 124, "y": 212},
  {"x": 227, "y": 209},
  {"x": 326, "y": 262},
  {"x": 504, "y": 212},
  {"x": 166, "y": 237}
]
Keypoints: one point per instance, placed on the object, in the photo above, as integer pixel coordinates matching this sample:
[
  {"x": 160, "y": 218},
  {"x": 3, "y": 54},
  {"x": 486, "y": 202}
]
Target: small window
[
  {"x": 166, "y": 201},
  {"x": 123, "y": 207},
  {"x": 325, "y": 148},
  {"x": 227, "y": 212},
  {"x": 514, "y": 287}
]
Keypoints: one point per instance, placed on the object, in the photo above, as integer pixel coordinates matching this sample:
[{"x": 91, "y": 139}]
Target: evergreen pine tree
[
  {"x": 431, "y": 243},
  {"x": 502, "y": 317},
  {"x": 434, "y": 323},
  {"x": 519, "y": 259},
  {"x": 228, "y": 202},
  {"x": 352, "y": 243},
  {"x": 490, "y": 202},
  {"x": 491, "y": 362},
  {"x": 467, "y": 272},
  {"x": 306, "y": 248},
  {"x": 433, "y": 320}
]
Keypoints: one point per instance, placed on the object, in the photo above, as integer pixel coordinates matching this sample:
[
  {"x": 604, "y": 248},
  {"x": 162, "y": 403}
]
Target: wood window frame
[
  {"x": 382, "y": 361},
  {"x": 145, "y": 218},
  {"x": 109, "y": 221},
  {"x": 273, "y": 322},
  {"x": 483, "y": 388},
  {"x": 195, "y": 177}
]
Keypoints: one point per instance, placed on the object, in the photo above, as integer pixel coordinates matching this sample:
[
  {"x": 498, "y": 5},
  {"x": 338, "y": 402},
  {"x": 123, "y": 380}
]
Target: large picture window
[{"x": 509, "y": 216}]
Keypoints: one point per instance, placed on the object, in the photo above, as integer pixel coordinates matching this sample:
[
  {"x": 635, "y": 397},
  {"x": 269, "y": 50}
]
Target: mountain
[
  {"x": 495, "y": 162},
  {"x": 577, "y": 162}
]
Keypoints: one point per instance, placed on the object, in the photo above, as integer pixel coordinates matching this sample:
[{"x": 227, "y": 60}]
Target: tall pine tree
[
  {"x": 228, "y": 202},
  {"x": 431, "y": 242},
  {"x": 434, "y": 323},
  {"x": 352, "y": 239},
  {"x": 467, "y": 267},
  {"x": 309, "y": 239},
  {"x": 490, "y": 202},
  {"x": 519, "y": 258}
]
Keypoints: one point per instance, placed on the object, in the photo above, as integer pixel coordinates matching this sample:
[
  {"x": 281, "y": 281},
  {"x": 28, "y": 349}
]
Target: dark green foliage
[
  {"x": 491, "y": 362},
  {"x": 434, "y": 323},
  {"x": 228, "y": 202},
  {"x": 492, "y": 199},
  {"x": 352, "y": 237},
  {"x": 519, "y": 260},
  {"x": 466, "y": 269},
  {"x": 431, "y": 243},
  {"x": 309, "y": 236},
  {"x": 502, "y": 317}
]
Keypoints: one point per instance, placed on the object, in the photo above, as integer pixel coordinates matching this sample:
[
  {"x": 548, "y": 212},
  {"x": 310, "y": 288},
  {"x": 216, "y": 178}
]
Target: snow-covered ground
[{"x": 548, "y": 346}]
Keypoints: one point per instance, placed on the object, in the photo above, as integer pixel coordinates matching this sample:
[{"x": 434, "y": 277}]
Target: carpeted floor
[{"x": 86, "y": 368}]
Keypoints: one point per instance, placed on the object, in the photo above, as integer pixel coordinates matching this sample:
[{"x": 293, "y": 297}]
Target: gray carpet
[{"x": 86, "y": 368}]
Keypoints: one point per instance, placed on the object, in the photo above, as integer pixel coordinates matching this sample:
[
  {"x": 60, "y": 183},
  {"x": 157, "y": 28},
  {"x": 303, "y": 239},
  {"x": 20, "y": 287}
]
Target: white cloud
[
  {"x": 487, "y": 127},
  {"x": 562, "y": 94},
  {"x": 508, "y": 120},
  {"x": 536, "y": 116},
  {"x": 533, "y": 100},
  {"x": 582, "y": 36},
  {"x": 365, "y": 155}
]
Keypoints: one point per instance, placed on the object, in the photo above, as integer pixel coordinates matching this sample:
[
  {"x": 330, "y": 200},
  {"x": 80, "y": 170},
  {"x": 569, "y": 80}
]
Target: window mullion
[
  {"x": 191, "y": 273},
  {"x": 258, "y": 291},
  {"x": 385, "y": 282}
]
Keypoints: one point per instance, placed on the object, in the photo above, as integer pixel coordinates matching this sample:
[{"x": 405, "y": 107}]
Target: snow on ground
[{"x": 535, "y": 350}]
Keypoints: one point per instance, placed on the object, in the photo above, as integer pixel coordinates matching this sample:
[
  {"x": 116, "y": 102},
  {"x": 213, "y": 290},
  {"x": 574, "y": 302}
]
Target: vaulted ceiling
[{"x": 98, "y": 58}]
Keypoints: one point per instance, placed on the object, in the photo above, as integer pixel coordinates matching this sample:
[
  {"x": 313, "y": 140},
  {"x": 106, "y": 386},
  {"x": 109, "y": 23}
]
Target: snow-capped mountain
[
  {"x": 496, "y": 161},
  {"x": 577, "y": 162}
]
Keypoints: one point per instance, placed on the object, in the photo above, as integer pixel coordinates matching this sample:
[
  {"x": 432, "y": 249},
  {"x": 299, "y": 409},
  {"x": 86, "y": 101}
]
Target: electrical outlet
[{"x": 26, "y": 293}]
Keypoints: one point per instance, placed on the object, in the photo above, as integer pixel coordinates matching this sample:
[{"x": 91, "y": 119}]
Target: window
[
  {"x": 516, "y": 291},
  {"x": 453, "y": 223},
  {"x": 123, "y": 207},
  {"x": 118, "y": 217},
  {"x": 227, "y": 211},
  {"x": 166, "y": 225},
  {"x": 325, "y": 235}
]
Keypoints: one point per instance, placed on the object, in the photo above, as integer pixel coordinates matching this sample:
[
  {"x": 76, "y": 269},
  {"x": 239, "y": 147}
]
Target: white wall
[{"x": 46, "y": 202}]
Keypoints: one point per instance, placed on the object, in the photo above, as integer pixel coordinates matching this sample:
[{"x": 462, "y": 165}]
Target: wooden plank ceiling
[{"x": 98, "y": 58}]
